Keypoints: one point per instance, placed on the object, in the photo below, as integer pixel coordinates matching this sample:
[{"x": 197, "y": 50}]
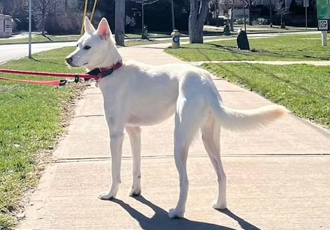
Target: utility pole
[
  {"x": 244, "y": 19},
  {"x": 173, "y": 17},
  {"x": 142, "y": 5},
  {"x": 30, "y": 27},
  {"x": 83, "y": 19}
]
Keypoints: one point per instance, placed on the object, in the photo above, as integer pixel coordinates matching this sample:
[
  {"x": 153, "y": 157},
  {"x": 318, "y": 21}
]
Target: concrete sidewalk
[{"x": 278, "y": 177}]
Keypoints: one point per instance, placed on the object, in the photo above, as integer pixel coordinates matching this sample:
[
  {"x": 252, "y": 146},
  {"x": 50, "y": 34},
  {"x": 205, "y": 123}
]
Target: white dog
[{"x": 137, "y": 95}]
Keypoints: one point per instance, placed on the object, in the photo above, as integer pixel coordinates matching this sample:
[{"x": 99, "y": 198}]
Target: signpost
[
  {"x": 30, "y": 23},
  {"x": 306, "y": 5},
  {"x": 323, "y": 17}
]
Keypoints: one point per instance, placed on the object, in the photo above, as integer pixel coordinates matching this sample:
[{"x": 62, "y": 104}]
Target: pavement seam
[{"x": 93, "y": 159}]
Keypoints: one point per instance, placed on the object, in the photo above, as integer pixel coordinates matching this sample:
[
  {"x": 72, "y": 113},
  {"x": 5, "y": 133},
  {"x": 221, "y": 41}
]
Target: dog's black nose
[{"x": 69, "y": 60}]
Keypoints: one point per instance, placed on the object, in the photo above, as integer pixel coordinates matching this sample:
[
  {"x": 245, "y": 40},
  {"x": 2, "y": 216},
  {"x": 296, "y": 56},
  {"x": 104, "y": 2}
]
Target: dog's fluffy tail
[{"x": 244, "y": 119}]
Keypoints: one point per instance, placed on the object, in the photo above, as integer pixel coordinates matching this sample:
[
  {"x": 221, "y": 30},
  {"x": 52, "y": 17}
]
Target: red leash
[
  {"x": 98, "y": 75},
  {"x": 46, "y": 74},
  {"x": 54, "y": 83}
]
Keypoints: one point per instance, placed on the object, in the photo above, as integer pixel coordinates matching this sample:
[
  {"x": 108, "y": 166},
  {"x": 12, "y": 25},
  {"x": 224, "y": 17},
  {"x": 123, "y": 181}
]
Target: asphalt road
[{"x": 10, "y": 52}]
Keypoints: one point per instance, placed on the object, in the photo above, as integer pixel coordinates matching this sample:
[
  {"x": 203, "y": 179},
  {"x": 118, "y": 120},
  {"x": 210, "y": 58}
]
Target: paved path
[{"x": 278, "y": 177}]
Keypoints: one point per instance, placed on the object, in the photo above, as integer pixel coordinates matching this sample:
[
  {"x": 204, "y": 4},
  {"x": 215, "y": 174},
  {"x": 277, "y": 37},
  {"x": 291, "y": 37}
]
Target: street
[{"x": 16, "y": 51}]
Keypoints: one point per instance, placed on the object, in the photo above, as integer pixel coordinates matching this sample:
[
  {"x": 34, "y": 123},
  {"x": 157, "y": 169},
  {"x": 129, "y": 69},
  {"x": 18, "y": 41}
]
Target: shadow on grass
[
  {"x": 233, "y": 51},
  {"x": 161, "y": 221},
  {"x": 253, "y": 52},
  {"x": 49, "y": 39},
  {"x": 242, "y": 80},
  {"x": 47, "y": 61},
  {"x": 306, "y": 90},
  {"x": 152, "y": 47}
]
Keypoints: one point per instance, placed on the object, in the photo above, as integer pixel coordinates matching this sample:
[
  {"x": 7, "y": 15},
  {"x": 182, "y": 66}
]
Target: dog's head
[{"x": 95, "y": 48}]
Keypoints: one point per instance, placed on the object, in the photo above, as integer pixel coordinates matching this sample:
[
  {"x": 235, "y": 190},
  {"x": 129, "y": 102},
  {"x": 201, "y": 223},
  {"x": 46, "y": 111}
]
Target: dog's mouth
[{"x": 76, "y": 66}]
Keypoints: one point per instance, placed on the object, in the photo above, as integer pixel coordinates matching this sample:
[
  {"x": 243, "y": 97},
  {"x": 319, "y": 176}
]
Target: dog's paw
[
  {"x": 135, "y": 192},
  {"x": 106, "y": 196},
  {"x": 174, "y": 213},
  {"x": 219, "y": 206}
]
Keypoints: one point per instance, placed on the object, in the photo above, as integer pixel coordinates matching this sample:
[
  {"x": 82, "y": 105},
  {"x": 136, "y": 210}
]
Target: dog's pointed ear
[
  {"x": 103, "y": 29},
  {"x": 89, "y": 28}
]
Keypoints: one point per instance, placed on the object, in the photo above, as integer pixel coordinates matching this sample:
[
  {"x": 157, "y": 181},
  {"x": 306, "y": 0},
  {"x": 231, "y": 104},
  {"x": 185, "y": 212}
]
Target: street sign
[
  {"x": 323, "y": 25},
  {"x": 323, "y": 14},
  {"x": 323, "y": 9},
  {"x": 306, "y": 3}
]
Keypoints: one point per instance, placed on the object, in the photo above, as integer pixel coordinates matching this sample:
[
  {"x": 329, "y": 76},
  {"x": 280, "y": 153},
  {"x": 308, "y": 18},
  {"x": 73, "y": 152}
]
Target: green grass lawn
[
  {"x": 303, "y": 89},
  {"x": 31, "y": 119},
  {"x": 40, "y": 39},
  {"x": 290, "y": 47}
]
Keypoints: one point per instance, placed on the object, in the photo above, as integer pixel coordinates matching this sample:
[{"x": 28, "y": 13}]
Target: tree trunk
[
  {"x": 217, "y": 13},
  {"x": 197, "y": 16},
  {"x": 271, "y": 15},
  {"x": 43, "y": 16},
  {"x": 250, "y": 12},
  {"x": 232, "y": 19},
  {"x": 120, "y": 22}
]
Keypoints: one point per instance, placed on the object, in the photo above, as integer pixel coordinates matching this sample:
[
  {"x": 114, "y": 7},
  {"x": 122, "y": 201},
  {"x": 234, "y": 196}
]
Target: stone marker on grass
[
  {"x": 242, "y": 41},
  {"x": 226, "y": 30}
]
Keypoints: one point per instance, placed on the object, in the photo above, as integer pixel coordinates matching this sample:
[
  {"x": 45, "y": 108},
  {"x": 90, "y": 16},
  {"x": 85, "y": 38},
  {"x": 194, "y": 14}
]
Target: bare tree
[
  {"x": 120, "y": 22},
  {"x": 144, "y": 3},
  {"x": 12, "y": 7},
  {"x": 41, "y": 9},
  {"x": 197, "y": 17},
  {"x": 214, "y": 8},
  {"x": 249, "y": 4},
  {"x": 229, "y": 5},
  {"x": 271, "y": 6},
  {"x": 281, "y": 10}
]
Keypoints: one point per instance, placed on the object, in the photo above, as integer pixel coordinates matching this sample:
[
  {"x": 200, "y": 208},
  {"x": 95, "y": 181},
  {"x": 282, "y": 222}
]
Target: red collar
[
  {"x": 114, "y": 67},
  {"x": 103, "y": 72}
]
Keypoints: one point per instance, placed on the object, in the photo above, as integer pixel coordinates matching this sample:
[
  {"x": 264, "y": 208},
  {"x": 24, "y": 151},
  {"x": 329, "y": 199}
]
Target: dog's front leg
[
  {"x": 134, "y": 134},
  {"x": 116, "y": 127}
]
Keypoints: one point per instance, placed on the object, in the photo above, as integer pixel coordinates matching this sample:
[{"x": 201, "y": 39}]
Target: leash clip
[
  {"x": 63, "y": 83},
  {"x": 76, "y": 78}
]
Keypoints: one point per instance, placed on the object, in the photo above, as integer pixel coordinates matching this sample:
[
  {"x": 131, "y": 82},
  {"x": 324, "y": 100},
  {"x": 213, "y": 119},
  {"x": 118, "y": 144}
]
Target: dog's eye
[{"x": 87, "y": 47}]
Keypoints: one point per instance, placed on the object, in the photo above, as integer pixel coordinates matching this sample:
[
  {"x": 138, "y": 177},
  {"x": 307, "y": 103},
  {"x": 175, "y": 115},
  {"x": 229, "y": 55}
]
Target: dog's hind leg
[
  {"x": 189, "y": 116},
  {"x": 211, "y": 138},
  {"x": 134, "y": 134}
]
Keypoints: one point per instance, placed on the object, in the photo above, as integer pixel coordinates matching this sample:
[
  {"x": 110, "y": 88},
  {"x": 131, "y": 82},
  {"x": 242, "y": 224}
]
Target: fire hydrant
[{"x": 175, "y": 39}]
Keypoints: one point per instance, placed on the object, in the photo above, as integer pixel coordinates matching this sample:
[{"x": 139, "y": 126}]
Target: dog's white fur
[{"x": 138, "y": 95}]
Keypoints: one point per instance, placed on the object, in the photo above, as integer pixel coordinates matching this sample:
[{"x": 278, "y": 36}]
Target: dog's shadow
[{"x": 161, "y": 221}]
